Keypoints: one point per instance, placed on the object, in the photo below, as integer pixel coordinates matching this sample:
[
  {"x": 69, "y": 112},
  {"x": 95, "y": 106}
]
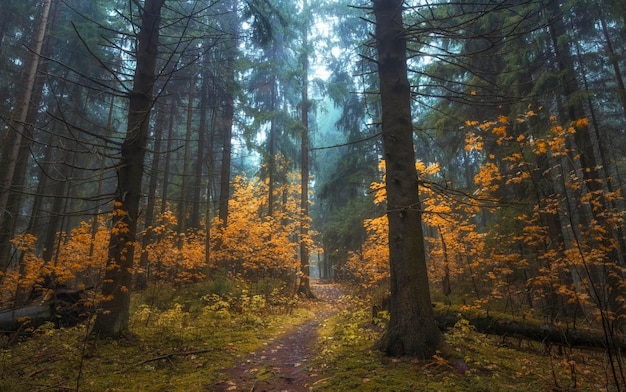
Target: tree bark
[
  {"x": 143, "y": 273},
  {"x": 200, "y": 159},
  {"x": 228, "y": 111},
  {"x": 17, "y": 126},
  {"x": 607, "y": 282},
  {"x": 304, "y": 286},
  {"x": 227, "y": 128},
  {"x": 64, "y": 307},
  {"x": 184, "y": 188},
  {"x": 503, "y": 325},
  {"x": 168, "y": 157},
  {"x": 412, "y": 329},
  {"x": 271, "y": 144},
  {"x": 112, "y": 319}
]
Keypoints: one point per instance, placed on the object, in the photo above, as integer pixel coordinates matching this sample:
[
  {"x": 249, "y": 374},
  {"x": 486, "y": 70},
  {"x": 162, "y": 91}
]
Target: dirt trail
[{"x": 284, "y": 364}]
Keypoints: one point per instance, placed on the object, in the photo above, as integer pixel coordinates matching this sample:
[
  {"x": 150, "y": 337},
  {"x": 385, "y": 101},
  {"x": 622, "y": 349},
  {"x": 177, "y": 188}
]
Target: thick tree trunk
[
  {"x": 27, "y": 316},
  {"x": 412, "y": 329},
  {"x": 112, "y": 320}
]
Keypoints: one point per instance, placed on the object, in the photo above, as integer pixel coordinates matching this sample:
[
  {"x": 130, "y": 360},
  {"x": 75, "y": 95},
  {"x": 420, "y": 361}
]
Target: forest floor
[
  {"x": 285, "y": 363},
  {"x": 224, "y": 335}
]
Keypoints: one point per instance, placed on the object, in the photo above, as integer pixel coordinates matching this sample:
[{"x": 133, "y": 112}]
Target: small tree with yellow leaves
[{"x": 254, "y": 245}]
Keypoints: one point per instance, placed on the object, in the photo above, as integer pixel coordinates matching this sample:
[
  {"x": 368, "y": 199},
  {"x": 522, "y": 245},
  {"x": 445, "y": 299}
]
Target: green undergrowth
[
  {"x": 183, "y": 340},
  {"x": 180, "y": 340},
  {"x": 468, "y": 361}
]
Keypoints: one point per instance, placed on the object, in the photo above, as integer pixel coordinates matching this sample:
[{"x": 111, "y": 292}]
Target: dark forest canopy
[{"x": 213, "y": 112}]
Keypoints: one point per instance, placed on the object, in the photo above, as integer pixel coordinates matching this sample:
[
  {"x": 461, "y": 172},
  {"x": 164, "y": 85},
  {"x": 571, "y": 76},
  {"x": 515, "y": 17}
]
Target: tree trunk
[
  {"x": 613, "y": 59},
  {"x": 112, "y": 319},
  {"x": 271, "y": 145},
  {"x": 305, "y": 274},
  {"x": 143, "y": 273},
  {"x": 228, "y": 112},
  {"x": 604, "y": 149},
  {"x": 168, "y": 157},
  {"x": 55, "y": 223},
  {"x": 184, "y": 188},
  {"x": 227, "y": 128},
  {"x": 412, "y": 329},
  {"x": 607, "y": 282},
  {"x": 37, "y": 223},
  {"x": 200, "y": 159},
  {"x": 210, "y": 187},
  {"x": 504, "y": 325},
  {"x": 18, "y": 124},
  {"x": 64, "y": 307}
]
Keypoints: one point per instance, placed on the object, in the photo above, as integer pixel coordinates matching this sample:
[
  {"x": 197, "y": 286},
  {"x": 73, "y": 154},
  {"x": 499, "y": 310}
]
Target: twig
[
  {"x": 166, "y": 356},
  {"x": 57, "y": 387},
  {"x": 322, "y": 380}
]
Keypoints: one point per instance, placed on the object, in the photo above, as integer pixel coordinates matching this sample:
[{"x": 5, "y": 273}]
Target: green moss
[
  {"x": 183, "y": 347},
  {"x": 188, "y": 345},
  {"x": 468, "y": 361}
]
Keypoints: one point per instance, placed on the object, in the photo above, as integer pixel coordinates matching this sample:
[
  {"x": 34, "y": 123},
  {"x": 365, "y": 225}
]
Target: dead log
[
  {"x": 494, "y": 323},
  {"x": 13, "y": 320},
  {"x": 64, "y": 308}
]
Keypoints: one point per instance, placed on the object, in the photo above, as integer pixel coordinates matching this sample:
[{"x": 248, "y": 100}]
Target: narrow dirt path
[{"x": 284, "y": 364}]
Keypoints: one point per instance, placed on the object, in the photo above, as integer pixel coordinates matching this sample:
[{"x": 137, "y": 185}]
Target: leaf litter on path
[{"x": 285, "y": 363}]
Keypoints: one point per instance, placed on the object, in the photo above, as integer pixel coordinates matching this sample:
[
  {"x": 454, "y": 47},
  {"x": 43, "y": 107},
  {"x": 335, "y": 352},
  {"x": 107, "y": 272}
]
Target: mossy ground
[
  {"x": 183, "y": 347},
  {"x": 468, "y": 361},
  {"x": 188, "y": 345}
]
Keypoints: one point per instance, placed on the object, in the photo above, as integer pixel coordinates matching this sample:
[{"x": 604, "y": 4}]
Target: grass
[{"x": 183, "y": 340}]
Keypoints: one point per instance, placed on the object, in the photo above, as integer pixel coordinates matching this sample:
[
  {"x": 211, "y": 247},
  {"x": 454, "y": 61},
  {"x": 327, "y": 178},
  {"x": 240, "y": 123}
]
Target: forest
[{"x": 312, "y": 195}]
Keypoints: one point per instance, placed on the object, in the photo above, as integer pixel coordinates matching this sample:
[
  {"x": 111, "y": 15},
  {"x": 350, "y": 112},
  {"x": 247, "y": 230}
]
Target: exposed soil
[{"x": 284, "y": 364}]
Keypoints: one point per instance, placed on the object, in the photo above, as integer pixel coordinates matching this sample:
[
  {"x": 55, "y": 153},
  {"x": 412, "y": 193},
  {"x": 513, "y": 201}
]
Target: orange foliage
[
  {"x": 82, "y": 258},
  {"x": 515, "y": 262},
  {"x": 370, "y": 266},
  {"x": 550, "y": 268},
  {"x": 79, "y": 261},
  {"x": 254, "y": 244},
  {"x": 14, "y": 279},
  {"x": 174, "y": 257}
]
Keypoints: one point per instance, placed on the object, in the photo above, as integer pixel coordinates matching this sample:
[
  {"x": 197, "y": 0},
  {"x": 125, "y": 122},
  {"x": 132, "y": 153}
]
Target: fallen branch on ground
[
  {"x": 500, "y": 324},
  {"x": 167, "y": 356}
]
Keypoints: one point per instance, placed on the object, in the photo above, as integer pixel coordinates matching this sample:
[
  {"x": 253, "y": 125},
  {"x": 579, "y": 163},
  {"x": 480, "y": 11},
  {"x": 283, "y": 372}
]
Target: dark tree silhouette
[
  {"x": 412, "y": 329},
  {"x": 112, "y": 320}
]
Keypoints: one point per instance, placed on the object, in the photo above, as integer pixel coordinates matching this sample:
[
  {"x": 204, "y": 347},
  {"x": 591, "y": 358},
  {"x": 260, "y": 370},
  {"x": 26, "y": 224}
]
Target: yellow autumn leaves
[
  {"x": 513, "y": 257},
  {"x": 252, "y": 245}
]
